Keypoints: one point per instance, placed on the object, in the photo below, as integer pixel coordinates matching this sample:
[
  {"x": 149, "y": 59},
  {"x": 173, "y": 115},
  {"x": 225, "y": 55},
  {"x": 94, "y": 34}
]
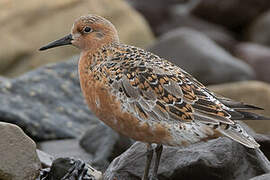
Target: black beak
[{"x": 61, "y": 42}]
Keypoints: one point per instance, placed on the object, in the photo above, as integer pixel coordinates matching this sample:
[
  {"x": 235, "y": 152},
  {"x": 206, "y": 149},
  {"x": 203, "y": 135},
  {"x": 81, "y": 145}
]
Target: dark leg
[
  {"x": 149, "y": 156},
  {"x": 158, "y": 151}
]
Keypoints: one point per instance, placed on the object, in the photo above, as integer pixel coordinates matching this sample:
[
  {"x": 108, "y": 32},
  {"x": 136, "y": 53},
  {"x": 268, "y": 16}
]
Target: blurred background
[{"x": 224, "y": 44}]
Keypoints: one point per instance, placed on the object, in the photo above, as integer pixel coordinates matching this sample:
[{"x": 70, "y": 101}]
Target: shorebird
[{"x": 148, "y": 98}]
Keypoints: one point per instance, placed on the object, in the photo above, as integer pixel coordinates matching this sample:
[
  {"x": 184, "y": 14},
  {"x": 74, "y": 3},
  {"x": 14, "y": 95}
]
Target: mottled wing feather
[
  {"x": 158, "y": 89},
  {"x": 153, "y": 89}
]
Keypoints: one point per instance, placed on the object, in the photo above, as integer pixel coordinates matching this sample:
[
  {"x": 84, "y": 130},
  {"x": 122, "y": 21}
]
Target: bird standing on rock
[{"x": 146, "y": 97}]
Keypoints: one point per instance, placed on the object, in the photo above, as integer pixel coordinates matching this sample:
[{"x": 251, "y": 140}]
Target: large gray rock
[
  {"x": 234, "y": 14},
  {"x": 201, "y": 57},
  {"x": 215, "y": 32},
  {"x": 259, "y": 30},
  {"x": 104, "y": 144},
  {"x": 257, "y": 56},
  {"x": 156, "y": 12},
  {"x": 47, "y": 103},
  {"x": 18, "y": 157},
  {"x": 219, "y": 159}
]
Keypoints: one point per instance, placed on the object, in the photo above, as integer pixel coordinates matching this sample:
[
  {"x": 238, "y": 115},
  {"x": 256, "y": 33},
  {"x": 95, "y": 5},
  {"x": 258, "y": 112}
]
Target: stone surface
[
  {"x": 259, "y": 30},
  {"x": 65, "y": 148},
  {"x": 264, "y": 141},
  {"x": 156, "y": 12},
  {"x": 219, "y": 159},
  {"x": 70, "y": 169},
  {"x": 40, "y": 22},
  {"x": 18, "y": 157},
  {"x": 251, "y": 92},
  {"x": 47, "y": 103},
  {"x": 104, "y": 144},
  {"x": 231, "y": 13},
  {"x": 262, "y": 177},
  {"x": 215, "y": 32},
  {"x": 257, "y": 56},
  {"x": 45, "y": 159},
  {"x": 201, "y": 57}
]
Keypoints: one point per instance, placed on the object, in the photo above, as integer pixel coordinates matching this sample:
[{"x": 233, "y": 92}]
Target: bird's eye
[{"x": 87, "y": 29}]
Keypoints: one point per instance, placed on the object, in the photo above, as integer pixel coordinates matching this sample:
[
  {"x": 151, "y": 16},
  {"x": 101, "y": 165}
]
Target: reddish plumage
[{"x": 147, "y": 97}]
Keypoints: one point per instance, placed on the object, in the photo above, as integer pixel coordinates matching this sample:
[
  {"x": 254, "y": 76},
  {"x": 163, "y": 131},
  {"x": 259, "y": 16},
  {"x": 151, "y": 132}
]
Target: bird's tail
[{"x": 237, "y": 133}]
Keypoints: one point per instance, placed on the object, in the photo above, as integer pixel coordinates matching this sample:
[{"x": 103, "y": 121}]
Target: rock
[
  {"x": 262, "y": 177},
  {"x": 264, "y": 141},
  {"x": 104, "y": 144},
  {"x": 69, "y": 168},
  {"x": 156, "y": 12},
  {"x": 257, "y": 56},
  {"x": 46, "y": 103},
  {"x": 251, "y": 92},
  {"x": 45, "y": 159},
  {"x": 215, "y": 32},
  {"x": 233, "y": 14},
  {"x": 40, "y": 22},
  {"x": 18, "y": 157},
  {"x": 219, "y": 159},
  {"x": 65, "y": 148},
  {"x": 258, "y": 31},
  {"x": 201, "y": 57}
]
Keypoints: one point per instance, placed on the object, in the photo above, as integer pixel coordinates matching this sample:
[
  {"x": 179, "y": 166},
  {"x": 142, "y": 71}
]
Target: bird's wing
[
  {"x": 153, "y": 89},
  {"x": 156, "y": 88}
]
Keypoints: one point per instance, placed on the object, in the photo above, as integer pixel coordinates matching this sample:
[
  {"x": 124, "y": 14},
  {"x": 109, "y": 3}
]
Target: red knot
[{"x": 148, "y": 98}]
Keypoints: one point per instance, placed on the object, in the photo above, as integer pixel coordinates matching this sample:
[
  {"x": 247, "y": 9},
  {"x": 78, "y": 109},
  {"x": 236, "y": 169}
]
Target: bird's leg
[
  {"x": 149, "y": 157},
  {"x": 158, "y": 151}
]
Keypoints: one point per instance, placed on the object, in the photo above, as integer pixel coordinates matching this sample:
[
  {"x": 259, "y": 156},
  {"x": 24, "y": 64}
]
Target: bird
[{"x": 148, "y": 98}]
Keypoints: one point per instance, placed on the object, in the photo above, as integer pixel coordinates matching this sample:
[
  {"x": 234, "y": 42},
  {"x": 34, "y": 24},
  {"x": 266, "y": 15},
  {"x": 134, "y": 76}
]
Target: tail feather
[
  {"x": 251, "y": 116},
  {"x": 239, "y": 105},
  {"x": 237, "y": 133}
]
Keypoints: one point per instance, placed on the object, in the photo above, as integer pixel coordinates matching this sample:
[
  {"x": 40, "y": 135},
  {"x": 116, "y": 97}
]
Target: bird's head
[{"x": 88, "y": 33}]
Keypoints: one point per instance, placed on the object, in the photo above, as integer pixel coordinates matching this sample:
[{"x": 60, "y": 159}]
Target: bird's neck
[
  {"x": 91, "y": 58},
  {"x": 97, "y": 55}
]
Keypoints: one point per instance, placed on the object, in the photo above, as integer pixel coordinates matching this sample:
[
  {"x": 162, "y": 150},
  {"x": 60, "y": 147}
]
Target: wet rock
[
  {"x": 234, "y": 14},
  {"x": 257, "y": 56},
  {"x": 219, "y": 159},
  {"x": 104, "y": 144},
  {"x": 18, "y": 157},
  {"x": 252, "y": 92},
  {"x": 201, "y": 57},
  {"x": 259, "y": 30},
  {"x": 46, "y": 103},
  {"x": 43, "y": 21},
  {"x": 65, "y": 148}
]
